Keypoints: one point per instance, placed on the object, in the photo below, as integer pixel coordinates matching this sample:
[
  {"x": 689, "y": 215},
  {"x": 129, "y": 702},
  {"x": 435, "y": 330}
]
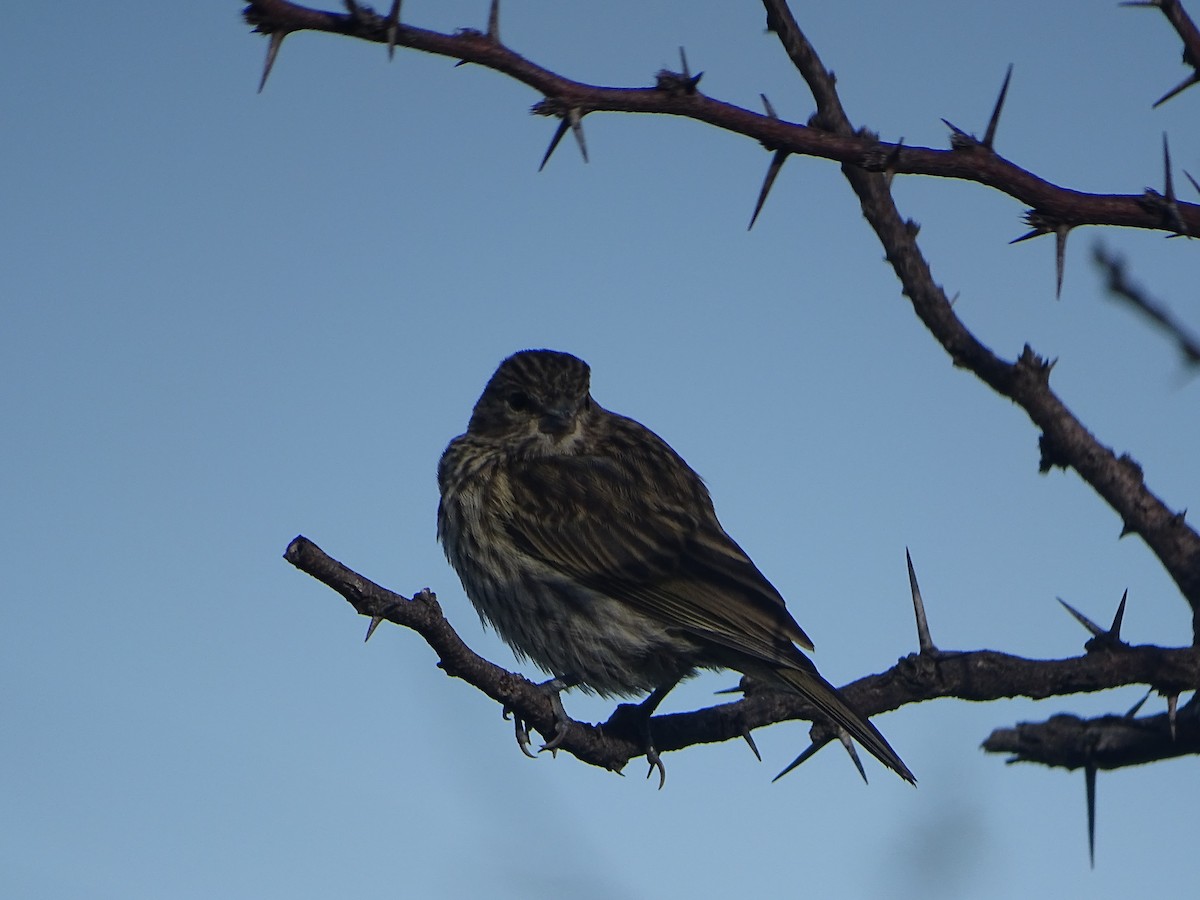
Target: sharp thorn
[
  {"x": 749, "y": 739},
  {"x": 1060, "y": 257},
  {"x": 375, "y": 620},
  {"x": 1133, "y": 710},
  {"x": 272, "y": 51},
  {"x": 393, "y": 27},
  {"x": 1172, "y": 708},
  {"x": 1115, "y": 631},
  {"x": 772, "y": 171},
  {"x": 924, "y": 641},
  {"x": 687, "y": 73},
  {"x": 955, "y": 128},
  {"x": 1195, "y": 184},
  {"x": 768, "y": 107},
  {"x": 1037, "y": 232},
  {"x": 493, "y": 29},
  {"x": 576, "y": 121},
  {"x": 803, "y": 757},
  {"x": 1194, "y": 78},
  {"x": 1089, "y": 780},
  {"x": 1168, "y": 183},
  {"x": 558, "y": 136},
  {"x": 1083, "y": 620},
  {"x": 990, "y": 135},
  {"x": 1169, "y": 193},
  {"x": 848, "y": 743}
]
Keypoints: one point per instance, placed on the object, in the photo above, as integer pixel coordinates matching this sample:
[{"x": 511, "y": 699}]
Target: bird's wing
[{"x": 647, "y": 535}]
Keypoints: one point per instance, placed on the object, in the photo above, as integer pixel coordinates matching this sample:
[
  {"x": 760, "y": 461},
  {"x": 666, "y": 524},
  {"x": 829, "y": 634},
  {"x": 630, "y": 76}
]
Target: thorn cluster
[
  {"x": 678, "y": 82},
  {"x": 571, "y": 116}
]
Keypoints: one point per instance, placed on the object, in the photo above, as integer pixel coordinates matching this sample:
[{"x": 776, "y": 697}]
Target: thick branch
[
  {"x": 1051, "y": 203},
  {"x": 979, "y": 675},
  {"x": 1109, "y": 742}
]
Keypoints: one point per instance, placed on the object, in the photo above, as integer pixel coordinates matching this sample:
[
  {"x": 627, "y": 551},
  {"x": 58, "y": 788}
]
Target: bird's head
[{"x": 537, "y": 397}]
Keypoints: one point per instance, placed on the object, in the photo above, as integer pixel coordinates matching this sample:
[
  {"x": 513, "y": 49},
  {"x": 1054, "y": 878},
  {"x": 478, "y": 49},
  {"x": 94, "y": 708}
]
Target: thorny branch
[
  {"x": 869, "y": 165},
  {"x": 1050, "y": 205},
  {"x": 978, "y": 675}
]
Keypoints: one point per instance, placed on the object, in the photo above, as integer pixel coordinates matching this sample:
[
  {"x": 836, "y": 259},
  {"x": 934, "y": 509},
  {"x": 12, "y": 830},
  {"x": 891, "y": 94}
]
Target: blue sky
[{"x": 232, "y": 318}]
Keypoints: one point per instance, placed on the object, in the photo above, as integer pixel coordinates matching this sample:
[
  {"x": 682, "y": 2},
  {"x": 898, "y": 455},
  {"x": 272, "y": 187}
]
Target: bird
[{"x": 594, "y": 550}]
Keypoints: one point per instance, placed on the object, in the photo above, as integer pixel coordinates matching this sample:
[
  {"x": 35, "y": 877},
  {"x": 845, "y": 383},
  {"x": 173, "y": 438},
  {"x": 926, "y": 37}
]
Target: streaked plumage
[{"x": 593, "y": 549}]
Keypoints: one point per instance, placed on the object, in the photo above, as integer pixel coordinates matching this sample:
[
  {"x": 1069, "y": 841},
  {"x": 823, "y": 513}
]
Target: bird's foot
[
  {"x": 635, "y": 717},
  {"x": 562, "y": 722}
]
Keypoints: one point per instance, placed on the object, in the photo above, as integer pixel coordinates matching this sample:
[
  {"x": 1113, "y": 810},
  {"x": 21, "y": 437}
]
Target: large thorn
[
  {"x": 1089, "y": 780},
  {"x": 558, "y": 136},
  {"x": 848, "y": 743},
  {"x": 1060, "y": 257},
  {"x": 393, "y": 27},
  {"x": 1037, "y": 232},
  {"x": 690, "y": 79},
  {"x": 1173, "y": 215},
  {"x": 1194, "y": 78},
  {"x": 924, "y": 641},
  {"x": 990, "y": 135},
  {"x": 576, "y": 120},
  {"x": 749, "y": 739},
  {"x": 493, "y": 31},
  {"x": 375, "y": 620},
  {"x": 772, "y": 171},
  {"x": 1136, "y": 708},
  {"x": 1114, "y": 631},
  {"x": 572, "y": 119},
  {"x": 272, "y": 51},
  {"x": 1083, "y": 620},
  {"x": 1168, "y": 183},
  {"x": 802, "y": 758},
  {"x": 1172, "y": 709}
]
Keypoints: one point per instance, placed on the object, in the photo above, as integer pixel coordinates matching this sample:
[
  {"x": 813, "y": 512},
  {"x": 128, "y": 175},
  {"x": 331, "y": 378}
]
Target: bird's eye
[{"x": 519, "y": 401}]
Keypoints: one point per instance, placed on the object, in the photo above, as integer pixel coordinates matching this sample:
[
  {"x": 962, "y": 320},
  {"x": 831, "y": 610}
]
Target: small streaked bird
[{"x": 593, "y": 549}]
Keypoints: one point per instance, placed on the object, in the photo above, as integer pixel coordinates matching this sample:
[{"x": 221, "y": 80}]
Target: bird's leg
[
  {"x": 552, "y": 689},
  {"x": 643, "y": 712}
]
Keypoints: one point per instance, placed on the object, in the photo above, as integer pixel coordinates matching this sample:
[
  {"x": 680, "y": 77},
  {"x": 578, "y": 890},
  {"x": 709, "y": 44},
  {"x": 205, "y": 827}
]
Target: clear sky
[{"x": 230, "y": 318}]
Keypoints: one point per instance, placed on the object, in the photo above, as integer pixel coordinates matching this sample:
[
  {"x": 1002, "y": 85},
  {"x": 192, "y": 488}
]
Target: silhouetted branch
[
  {"x": 978, "y": 675},
  {"x": 1052, "y": 203},
  {"x": 1107, "y": 742},
  {"x": 1121, "y": 288},
  {"x": 1188, "y": 33},
  {"x": 1065, "y": 442}
]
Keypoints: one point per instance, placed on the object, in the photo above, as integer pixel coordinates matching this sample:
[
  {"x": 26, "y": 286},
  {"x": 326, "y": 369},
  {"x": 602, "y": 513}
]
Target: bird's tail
[{"x": 826, "y": 698}]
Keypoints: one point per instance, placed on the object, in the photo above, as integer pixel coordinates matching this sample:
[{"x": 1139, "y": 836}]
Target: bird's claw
[
  {"x": 655, "y": 762},
  {"x": 522, "y": 732},
  {"x": 637, "y": 717},
  {"x": 562, "y": 722}
]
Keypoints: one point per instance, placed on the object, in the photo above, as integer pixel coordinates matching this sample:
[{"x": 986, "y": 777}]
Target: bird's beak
[{"x": 557, "y": 422}]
